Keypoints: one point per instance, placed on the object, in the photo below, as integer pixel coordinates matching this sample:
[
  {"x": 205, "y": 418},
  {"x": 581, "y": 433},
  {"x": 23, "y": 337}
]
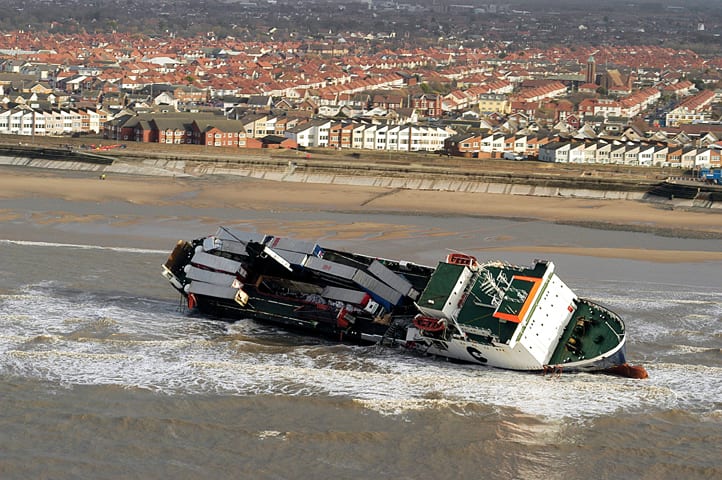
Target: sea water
[{"x": 105, "y": 374}]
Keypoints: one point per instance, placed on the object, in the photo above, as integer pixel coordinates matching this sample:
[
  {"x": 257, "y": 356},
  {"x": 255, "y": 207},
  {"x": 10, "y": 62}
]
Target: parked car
[{"x": 513, "y": 156}]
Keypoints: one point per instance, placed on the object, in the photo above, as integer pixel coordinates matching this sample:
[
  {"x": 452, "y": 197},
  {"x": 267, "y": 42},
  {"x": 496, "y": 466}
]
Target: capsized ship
[{"x": 486, "y": 313}]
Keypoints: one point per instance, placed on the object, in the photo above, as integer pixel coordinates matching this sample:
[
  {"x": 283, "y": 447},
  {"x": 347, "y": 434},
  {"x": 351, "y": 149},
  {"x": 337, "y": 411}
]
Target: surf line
[{"x": 28, "y": 243}]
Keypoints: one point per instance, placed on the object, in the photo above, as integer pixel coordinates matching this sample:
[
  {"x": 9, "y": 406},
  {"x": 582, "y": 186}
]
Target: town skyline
[
  {"x": 519, "y": 24},
  {"x": 488, "y": 72}
]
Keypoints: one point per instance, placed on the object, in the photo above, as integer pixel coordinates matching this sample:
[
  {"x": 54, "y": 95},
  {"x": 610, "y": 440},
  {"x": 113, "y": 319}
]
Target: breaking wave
[{"x": 79, "y": 338}]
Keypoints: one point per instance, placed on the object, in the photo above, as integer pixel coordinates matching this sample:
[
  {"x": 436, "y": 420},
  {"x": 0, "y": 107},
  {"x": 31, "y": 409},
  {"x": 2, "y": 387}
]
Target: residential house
[
  {"x": 284, "y": 104},
  {"x": 314, "y": 133},
  {"x": 646, "y": 155},
  {"x": 171, "y": 130},
  {"x": 709, "y": 138},
  {"x": 387, "y": 101},
  {"x": 112, "y": 129},
  {"x": 427, "y": 105},
  {"x": 659, "y": 157},
  {"x": 493, "y": 103},
  {"x": 165, "y": 99},
  {"x": 346, "y": 135},
  {"x": 143, "y": 131},
  {"x": 603, "y": 153},
  {"x": 617, "y": 153},
  {"x": 554, "y": 152},
  {"x": 308, "y": 105},
  {"x": 322, "y": 133},
  {"x": 380, "y": 143},
  {"x": 260, "y": 103},
  {"x": 270, "y": 127},
  {"x": 254, "y": 125},
  {"x": 689, "y": 157},
  {"x": 221, "y": 132},
  {"x": 532, "y": 146},
  {"x": 278, "y": 142},
  {"x": 692, "y": 110},
  {"x": 674, "y": 156},
  {"x": 392, "y": 137},
  {"x": 302, "y": 134},
  {"x": 706, "y": 157},
  {"x": 631, "y": 155},
  {"x": 190, "y": 94},
  {"x": 357, "y": 137},
  {"x": 576, "y": 152},
  {"x": 590, "y": 152},
  {"x": 406, "y": 136},
  {"x": 334, "y": 135},
  {"x": 369, "y": 137},
  {"x": 463, "y": 145},
  {"x": 5, "y": 121},
  {"x": 520, "y": 144}
]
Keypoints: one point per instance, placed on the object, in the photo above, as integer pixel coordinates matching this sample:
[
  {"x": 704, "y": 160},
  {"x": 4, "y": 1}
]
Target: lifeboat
[
  {"x": 462, "y": 259},
  {"x": 429, "y": 324}
]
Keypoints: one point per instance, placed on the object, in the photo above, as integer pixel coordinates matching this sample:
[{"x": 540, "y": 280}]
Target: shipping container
[
  {"x": 231, "y": 246},
  {"x": 208, "y": 289},
  {"x": 330, "y": 268},
  {"x": 346, "y": 295},
  {"x": 392, "y": 279},
  {"x": 380, "y": 292},
  {"x": 207, "y": 276},
  {"x": 294, "y": 258},
  {"x": 292, "y": 245},
  {"x": 216, "y": 263}
]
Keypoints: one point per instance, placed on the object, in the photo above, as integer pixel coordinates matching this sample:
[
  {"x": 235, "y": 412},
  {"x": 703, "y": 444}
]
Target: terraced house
[
  {"x": 24, "y": 120},
  {"x": 630, "y": 153}
]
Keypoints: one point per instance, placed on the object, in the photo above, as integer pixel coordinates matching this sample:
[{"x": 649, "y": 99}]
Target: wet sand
[{"x": 188, "y": 194}]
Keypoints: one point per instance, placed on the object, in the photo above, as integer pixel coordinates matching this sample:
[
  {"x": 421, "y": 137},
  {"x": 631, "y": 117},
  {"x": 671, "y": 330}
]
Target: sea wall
[
  {"x": 416, "y": 180},
  {"x": 342, "y": 173},
  {"x": 83, "y": 163}
]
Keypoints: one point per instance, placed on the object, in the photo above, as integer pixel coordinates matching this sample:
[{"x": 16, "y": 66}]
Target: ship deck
[
  {"x": 592, "y": 331},
  {"x": 489, "y": 289}
]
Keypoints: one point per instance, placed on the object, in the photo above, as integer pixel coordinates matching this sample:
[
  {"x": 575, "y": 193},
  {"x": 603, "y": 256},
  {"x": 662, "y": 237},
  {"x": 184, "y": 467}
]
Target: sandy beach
[{"x": 189, "y": 194}]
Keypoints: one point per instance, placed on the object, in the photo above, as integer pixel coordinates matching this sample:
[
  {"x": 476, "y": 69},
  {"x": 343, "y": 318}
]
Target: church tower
[{"x": 591, "y": 70}]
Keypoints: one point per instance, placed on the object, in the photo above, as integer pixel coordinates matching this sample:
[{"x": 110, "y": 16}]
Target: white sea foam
[
  {"x": 89, "y": 340},
  {"x": 28, "y": 243}
]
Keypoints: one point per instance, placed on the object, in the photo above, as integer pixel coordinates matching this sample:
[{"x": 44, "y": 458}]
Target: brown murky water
[{"x": 102, "y": 375}]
